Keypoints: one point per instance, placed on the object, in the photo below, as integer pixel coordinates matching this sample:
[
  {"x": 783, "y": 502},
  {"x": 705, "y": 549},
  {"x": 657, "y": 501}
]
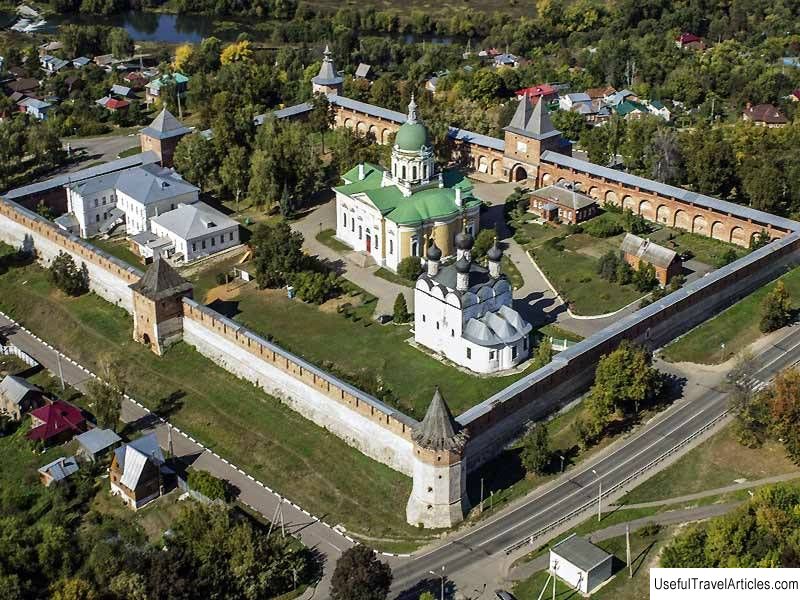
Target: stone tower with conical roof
[
  {"x": 158, "y": 306},
  {"x": 439, "y": 493},
  {"x": 162, "y": 136},
  {"x": 327, "y": 81},
  {"x": 527, "y": 136}
]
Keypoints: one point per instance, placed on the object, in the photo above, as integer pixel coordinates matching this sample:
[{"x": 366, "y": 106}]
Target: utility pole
[
  {"x": 480, "y": 510},
  {"x": 442, "y": 576},
  {"x": 599, "y": 494},
  {"x": 278, "y": 515},
  {"x": 628, "y": 549},
  {"x": 60, "y": 371},
  {"x": 169, "y": 441}
]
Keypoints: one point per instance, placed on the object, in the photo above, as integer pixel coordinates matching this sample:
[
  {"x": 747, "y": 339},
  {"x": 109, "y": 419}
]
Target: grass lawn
[
  {"x": 560, "y": 333},
  {"x": 240, "y": 422},
  {"x": 388, "y": 275},
  {"x": 18, "y": 462},
  {"x": 717, "y": 462},
  {"x": 130, "y": 152},
  {"x": 575, "y": 277},
  {"x": 705, "y": 249},
  {"x": 736, "y": 327},
  {"x": 119, "y": 247},
  {"x": 327, "y": 237},
  {"x": 322, "y": 334},
  {"x": 512, "y": 272},
  {"x": 535, "y": 234}
]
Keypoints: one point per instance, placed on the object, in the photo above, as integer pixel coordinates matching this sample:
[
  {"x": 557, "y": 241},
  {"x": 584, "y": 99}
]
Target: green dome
[{"x": 411, "y": 137}]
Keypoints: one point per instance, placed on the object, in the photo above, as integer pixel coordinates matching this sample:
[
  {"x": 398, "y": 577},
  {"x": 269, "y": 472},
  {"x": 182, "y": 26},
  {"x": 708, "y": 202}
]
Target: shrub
[
  {"x": 221, "y": 278},
  {"x": 776, "y": 309},
  {"x": 645, "y": 278},
  {"x": 314, "y": 287},
  {"x": 410, "y": 268},
  {"x": 608, "y": 265},
  {"x": 728, "y": 257},
  {"x": 67, "y": 276},
  {"x": 603, "y": 226},
  {"x": 483, "y": 242},
  {"x": 210, "y": 486},
  {"x": 400, "y": 310}
]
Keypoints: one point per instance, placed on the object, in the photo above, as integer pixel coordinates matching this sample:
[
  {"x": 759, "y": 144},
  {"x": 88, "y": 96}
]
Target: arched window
[
  {"x": 391, "y": 247},
  {"x": 359, "y": 232},
  {"x": 376, "y": 241},
  {"x": 452, "y": 333},
  {"x": 344, "y": 216},
  {"x": 414, "y": 247},
  {"x": 414, "y": 172},
  {"x": 404, "y": 171},
  {"x": 352, "y": 224},
  {"x": 425, "y": 171}
]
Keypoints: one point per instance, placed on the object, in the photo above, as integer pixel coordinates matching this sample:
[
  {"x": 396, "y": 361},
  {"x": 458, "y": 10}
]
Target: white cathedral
[{"x": 463, "y": 311}]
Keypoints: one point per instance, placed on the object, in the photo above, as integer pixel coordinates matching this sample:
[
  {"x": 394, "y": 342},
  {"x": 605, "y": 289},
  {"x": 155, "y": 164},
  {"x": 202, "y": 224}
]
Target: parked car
[{"x": 503, "y": 595}]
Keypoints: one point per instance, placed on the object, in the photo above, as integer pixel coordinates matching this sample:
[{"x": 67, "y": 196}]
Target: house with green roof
[
  {"x": 152, "y": 90},
  {"x": 628, "y": 109},
  {"x": 390, "y": 214}
]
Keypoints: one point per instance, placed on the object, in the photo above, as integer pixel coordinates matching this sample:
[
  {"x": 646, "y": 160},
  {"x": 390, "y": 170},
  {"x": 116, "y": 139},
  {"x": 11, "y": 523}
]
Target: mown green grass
[
  {"x": 328, "y": 238},
  {"x": 240, "y": 422},
  {"x": 575, "y": 277},
  {"x": 388, "y": 275},
  {"x": 716, "y": 463},
  {"x": 120, "y": 249},
  {"x": 736, "y": 328}
]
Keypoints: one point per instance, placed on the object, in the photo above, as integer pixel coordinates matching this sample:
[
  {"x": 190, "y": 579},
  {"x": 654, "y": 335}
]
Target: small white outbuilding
[{"x": 580, "y": 564}]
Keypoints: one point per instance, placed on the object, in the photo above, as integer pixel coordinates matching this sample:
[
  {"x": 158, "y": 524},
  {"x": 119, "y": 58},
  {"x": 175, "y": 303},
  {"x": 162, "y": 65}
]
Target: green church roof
[
  {"x": 411, "y": 137},
  {"x": 424, "y": 205}
]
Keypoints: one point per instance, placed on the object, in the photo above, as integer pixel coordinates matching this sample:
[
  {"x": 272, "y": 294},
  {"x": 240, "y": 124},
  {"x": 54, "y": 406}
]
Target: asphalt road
[{"x": 700, "y": 405}]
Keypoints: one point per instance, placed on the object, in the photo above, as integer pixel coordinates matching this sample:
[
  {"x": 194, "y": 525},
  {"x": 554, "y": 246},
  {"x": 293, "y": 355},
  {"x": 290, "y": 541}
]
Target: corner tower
[
  {"x": 527, "y": 136},
  {"x": 439, "y": 493},
  {"x": 158, "y": 306},
  {"x": 327, "y": 81}
]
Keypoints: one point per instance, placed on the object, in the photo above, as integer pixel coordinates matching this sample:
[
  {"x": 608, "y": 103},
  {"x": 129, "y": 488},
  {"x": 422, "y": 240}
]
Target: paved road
[
  {"x": 672, "y": 517},
  {"x": 102, "y": 148},
  {"x": 700, "y": 405},
  {"x": 314, "y": 534}
]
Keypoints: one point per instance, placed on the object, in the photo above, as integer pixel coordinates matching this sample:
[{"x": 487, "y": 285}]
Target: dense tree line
[{"x": 26, "y": 145}]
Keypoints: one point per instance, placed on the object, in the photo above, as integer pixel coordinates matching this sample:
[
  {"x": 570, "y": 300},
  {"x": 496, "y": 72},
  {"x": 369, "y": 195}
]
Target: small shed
[
  {"x": 580, "y": 564},
  {"x": 666, "y": 262},
  {"x": 58, "y": 470},
  {"x": 17, "y": 396},
  {"x": 95, "y": 442}
]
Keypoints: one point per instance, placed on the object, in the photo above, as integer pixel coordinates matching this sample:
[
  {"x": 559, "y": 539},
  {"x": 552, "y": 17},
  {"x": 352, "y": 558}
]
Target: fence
[
  {"x": 14, "y": 351},
  {"x": 614, "y": 488}
]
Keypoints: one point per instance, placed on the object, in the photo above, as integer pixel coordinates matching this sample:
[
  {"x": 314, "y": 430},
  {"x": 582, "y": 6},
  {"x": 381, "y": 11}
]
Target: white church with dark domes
[
  {"x": 464, "y": 312},
  {"x": 395, "y": 213}
]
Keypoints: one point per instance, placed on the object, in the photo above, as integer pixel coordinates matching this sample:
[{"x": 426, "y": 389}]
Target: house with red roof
[
  {"x": 795, "y": 95},
  {"x": 56, "y": 423},
  {"x": 533, "y": 93},
  {"x": 113, "y": 104},
  {"x": 764, "y": 115},
  {"x": 690, "y": 41}
]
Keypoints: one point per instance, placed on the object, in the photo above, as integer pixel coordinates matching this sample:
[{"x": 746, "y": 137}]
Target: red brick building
[
  {"x": 666, "y": 262},
  {"x": 563, "y": 204}
]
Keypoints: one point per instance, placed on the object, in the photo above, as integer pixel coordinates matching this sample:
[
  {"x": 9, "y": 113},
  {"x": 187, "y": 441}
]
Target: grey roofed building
[
  {"x": 439, "y": 430},
  {"x": 165, "y": 126},
  {"x": 14, "y": 391},
  {"x": 578, "y": 97},
  {"x": 95, "y": 441},
  {"x": 532, "y": 121},
  {"x": 95, "y": 184},
  {"x": 82, "y": 175},
  {"x": 327, "y": 75},
  {"x": 580, "y": 552},
  {"x": 160, "y": 281},
  {"x": 565, "y": 196},
  {"x": 648, "y": 251},
  {"x": 363, "y": 70},
  {"x": 132, "y": 456},
  {"x": 501, "y": 327},
  {"x": 152, "y": 183},
  {"x": 79, "y": 62},
  {"x": 619, "y": 97},
  {"x": 59, "y": 469},
  {"x": 121, "y": 90},
  {"x": 189, "y": 221},
  {"x": 68, "y": 222}
]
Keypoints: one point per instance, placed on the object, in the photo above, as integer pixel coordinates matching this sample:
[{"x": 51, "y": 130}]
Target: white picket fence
[{"x": 14, "y": 351}]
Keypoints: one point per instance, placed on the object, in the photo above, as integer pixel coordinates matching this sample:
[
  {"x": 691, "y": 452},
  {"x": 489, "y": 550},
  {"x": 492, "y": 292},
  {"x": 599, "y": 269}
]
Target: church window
[
  {"x": 203, "y": 244},
  {"x": 230, "y": 236},
  {"x": 104, "y": 200},
  {"x": 352, "y": 224},
  {"x": 414, "y": 172},
  {"x": 391, "y": 247},
  {"x": 414, "y": 247},
  {"x": 360, "y": 232},
  {"x": 344, "y": 218},
  {"x": 469, "y": 353},
  {"x": 194, "y": 247},
  {"x": 376, "y": 241},
  {"x": 452, "y": 333},
  {"x": 97, "y": 218},
  {"x": 425, "y": 171},
  {"x": 95, "y": 202},
  {"x": 513, "y": 352},
  {"x": 491, "y": 354},
  {"x": 423, "y": 318},
  {"x": 524, "y": 343},
  {"x": 213, "y": 242},
  {"x": 437, "y": 325},
  {"x": 404, "y": 171}
]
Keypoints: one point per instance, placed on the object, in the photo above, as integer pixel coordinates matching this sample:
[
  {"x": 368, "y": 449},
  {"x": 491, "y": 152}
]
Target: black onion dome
[
  {"x": 464, "y": 241},
  {"x": 434, "y": 253},
  {"x": 495, "y": 253},
  {"x": 462, "y": 265}
]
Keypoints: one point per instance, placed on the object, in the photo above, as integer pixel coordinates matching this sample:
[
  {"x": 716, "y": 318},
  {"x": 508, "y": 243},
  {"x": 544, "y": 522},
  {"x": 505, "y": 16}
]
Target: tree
[
  {"x": 783, "y": 400},
  {"x": 776, "y": 309},
  {"x": 73, "y": 588},
  {"x": 315, "y": 287},
  {"x": 644, "y": 279},
  {"x": 359, "y": 575},
  {"x": 400, "y": 309},
  {"x": 120, "y": 43},
  {"x": 410, "y": 268},
  {"x": 183, "y": 54},
  {"x": 196, "y": 160},
  {"x": 237, "y": 52},
  {"x": 106, "y": 394},
  {"x": 607, "y": 265},
  {"x": 210, "y": 486},
  {"x": 536, "y": 452},
  {"x": 322, "y": 117},
  {"x": 234, "y": 172},
  {"x": 483, "y": 242},
  {"x": 570, "y": 124},
  {"x": 67, "y": 276},
  {"x": 544, "y": 354},
  {"x": 277, "y": 253}
]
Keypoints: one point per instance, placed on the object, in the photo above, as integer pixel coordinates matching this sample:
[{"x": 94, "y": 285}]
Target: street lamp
[
  {"x": 562, "y": 462},
  {"x": 442, "y": 576},
  {"x": 599, "y": 493}
]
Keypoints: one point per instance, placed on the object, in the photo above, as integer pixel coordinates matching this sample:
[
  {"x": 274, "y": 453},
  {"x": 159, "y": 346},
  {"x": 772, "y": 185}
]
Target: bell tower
[{"x": 528, "y": 135}]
